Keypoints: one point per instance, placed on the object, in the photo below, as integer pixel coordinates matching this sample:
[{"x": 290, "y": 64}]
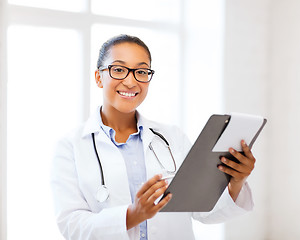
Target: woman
[{"x": 116, "y": 140}]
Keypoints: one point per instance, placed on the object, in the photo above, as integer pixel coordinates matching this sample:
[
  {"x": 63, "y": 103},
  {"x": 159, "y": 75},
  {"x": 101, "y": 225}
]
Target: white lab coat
[{"x": 75, "y": 178}]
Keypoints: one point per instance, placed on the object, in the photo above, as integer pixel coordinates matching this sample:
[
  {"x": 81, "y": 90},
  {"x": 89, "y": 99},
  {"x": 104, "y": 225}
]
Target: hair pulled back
[{"x": 123, "y": 38}]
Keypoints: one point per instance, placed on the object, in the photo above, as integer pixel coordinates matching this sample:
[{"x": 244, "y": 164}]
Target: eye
[
  {"x": 143, "y": 72},
  {"x": 118, "y": 69}
]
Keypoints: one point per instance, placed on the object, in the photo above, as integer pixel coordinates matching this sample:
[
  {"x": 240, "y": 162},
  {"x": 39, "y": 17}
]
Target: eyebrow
[{"x": 122, "y": 62}]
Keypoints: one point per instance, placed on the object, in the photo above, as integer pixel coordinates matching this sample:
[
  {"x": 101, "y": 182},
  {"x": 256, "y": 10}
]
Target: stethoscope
[{"x": 103, "y": 193}]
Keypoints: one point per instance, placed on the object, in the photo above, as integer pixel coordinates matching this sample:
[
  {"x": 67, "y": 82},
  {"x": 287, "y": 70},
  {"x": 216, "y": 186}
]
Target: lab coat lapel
[
  {"x": 147, "y": 138},
  {"x": 114, "y": 170}
]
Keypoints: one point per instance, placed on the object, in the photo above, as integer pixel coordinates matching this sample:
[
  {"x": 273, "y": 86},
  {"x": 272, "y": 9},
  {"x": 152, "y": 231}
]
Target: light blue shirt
[{"x": 133, "y": 154}]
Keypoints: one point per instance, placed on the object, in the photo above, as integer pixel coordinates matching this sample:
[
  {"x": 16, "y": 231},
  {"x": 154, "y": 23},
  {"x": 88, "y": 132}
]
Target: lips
[{"x": 127, "y": 94}]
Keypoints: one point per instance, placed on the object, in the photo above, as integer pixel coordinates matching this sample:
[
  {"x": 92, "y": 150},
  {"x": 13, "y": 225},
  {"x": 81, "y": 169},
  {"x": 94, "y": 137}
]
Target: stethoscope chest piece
[{"x": 102, "y": 194}]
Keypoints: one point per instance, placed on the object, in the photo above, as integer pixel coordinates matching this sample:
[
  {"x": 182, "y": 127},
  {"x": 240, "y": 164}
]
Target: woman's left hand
[{"x": 238, "y": 171}]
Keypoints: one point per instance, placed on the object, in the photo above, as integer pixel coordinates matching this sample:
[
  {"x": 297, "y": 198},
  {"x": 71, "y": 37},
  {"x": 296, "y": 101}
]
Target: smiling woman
[
  {"x": 128, "y": 54},
  {"x": 122, "y": 202},
  {"x": 163, "y": 81}
]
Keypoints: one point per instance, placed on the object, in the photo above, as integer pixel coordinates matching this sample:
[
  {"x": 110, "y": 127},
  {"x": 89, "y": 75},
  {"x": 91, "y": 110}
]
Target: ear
[{"x": 98, "y": 79}]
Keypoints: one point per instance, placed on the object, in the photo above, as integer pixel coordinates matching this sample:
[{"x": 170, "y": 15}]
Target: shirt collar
[{"x": 94, "y": 124}]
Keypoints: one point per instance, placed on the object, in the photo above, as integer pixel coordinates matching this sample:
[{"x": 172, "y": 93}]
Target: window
[
  {"x": 64, "y": 5},
  {"x": 44, "y": 84},
  {"x": 52, "y": 48},
  {"x": 144, "y": 10}
]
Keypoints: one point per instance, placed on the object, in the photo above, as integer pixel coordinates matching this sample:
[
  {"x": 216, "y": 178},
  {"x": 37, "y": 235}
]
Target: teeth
[{"x": 126, "y": 94}]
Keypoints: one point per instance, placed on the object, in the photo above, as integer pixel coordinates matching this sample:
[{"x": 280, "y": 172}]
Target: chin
[{"x": 126, "y": 109}]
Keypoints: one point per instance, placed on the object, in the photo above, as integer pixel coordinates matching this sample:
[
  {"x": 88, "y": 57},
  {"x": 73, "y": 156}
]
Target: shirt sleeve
[
  {"x": 74, "y": 217},
  {"x": 226, "y": 208}
]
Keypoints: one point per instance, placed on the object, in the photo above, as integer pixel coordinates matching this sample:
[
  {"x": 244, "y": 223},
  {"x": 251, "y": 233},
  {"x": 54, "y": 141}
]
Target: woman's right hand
[{"x": 144, "y": 206}]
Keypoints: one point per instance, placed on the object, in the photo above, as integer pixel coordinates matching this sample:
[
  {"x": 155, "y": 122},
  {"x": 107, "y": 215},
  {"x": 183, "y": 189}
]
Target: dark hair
[{"x": 123, "y": 38}]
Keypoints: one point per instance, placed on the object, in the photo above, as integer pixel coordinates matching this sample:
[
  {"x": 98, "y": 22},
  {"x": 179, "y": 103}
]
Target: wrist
[
  {"x": 132, "y": 219},
  {"x": 234, "y": 188}
]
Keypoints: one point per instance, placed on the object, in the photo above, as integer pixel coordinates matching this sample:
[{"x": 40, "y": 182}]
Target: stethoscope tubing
[
  {"x": 103, "y": 192},
  {"x": 100, "y": 165},
  {"x": 168, "y": 146}
]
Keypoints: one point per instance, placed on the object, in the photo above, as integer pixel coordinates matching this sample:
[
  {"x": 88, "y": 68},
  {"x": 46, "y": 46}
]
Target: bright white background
[
  {"x": 254, "y": 68},
  {"x": 50, "y": 57}
]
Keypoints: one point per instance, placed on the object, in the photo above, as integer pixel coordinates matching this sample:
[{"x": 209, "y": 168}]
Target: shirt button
[{"x": 143, "y": 235}]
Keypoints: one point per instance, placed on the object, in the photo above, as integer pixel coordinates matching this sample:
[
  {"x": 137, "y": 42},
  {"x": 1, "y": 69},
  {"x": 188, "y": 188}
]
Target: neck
[{"x": 117, "y": 120}]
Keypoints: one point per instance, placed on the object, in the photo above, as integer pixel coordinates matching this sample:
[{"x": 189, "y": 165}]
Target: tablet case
[{"x": 198, "y": 183}]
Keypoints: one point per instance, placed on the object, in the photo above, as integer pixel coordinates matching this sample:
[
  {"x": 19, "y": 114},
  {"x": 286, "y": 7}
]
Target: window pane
[
  {"x": 64, "y": 5},
  {"x": 155, "y": 10},
  {"x": 43, "y": 102},
  {"x": 204, "y": 63},
  {"x": 163, "y": 100}
]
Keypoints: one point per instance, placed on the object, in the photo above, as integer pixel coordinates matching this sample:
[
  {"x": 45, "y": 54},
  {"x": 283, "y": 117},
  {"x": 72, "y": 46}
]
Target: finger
[
  {"x": 154, "y": 189},
  {"x": 148, "y": 184},
  {"x": 247, "y": 150},
  {"x": 163, "y": 202},
  {"x": 236, "y": 166},
  {"x": 232, "y": 172},
  {"x": 242, "y": 158},
  {"x": 157, "y": 194}
]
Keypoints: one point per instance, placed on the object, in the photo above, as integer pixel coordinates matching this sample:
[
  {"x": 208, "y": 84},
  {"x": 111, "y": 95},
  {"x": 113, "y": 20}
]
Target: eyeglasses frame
[{"x": 129, "y": 70}]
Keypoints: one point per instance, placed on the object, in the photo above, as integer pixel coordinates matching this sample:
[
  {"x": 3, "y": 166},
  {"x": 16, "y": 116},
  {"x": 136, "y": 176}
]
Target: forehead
[{"x": 130, "y": 53}]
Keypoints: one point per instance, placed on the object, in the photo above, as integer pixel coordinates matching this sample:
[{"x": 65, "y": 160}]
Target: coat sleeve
[
  {"x": 74, "y": 217},
  {"x": 226, "y": 208}
]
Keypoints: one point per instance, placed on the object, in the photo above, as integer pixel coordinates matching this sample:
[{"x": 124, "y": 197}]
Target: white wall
[
  {"x": 2, "y": 121},
  {"x": 245, "y": 90},
  {"x": 262, "y": 76},
  {"x": 284, "y": 104}
]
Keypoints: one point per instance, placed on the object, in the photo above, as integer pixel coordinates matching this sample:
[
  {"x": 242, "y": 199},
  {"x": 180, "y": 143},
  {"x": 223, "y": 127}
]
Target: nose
[{"x": 129, "y": 81}]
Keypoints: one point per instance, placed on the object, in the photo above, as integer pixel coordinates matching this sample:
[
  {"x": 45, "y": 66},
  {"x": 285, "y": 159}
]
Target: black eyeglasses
[{"x": 120, "y": 72}]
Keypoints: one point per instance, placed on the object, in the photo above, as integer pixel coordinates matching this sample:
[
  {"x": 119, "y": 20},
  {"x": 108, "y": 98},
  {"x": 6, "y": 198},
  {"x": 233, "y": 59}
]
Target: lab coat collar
[{"x": 93, "y": 125}]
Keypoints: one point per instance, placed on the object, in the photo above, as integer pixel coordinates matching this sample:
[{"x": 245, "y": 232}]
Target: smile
[{"x": 127, "y": 94}]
